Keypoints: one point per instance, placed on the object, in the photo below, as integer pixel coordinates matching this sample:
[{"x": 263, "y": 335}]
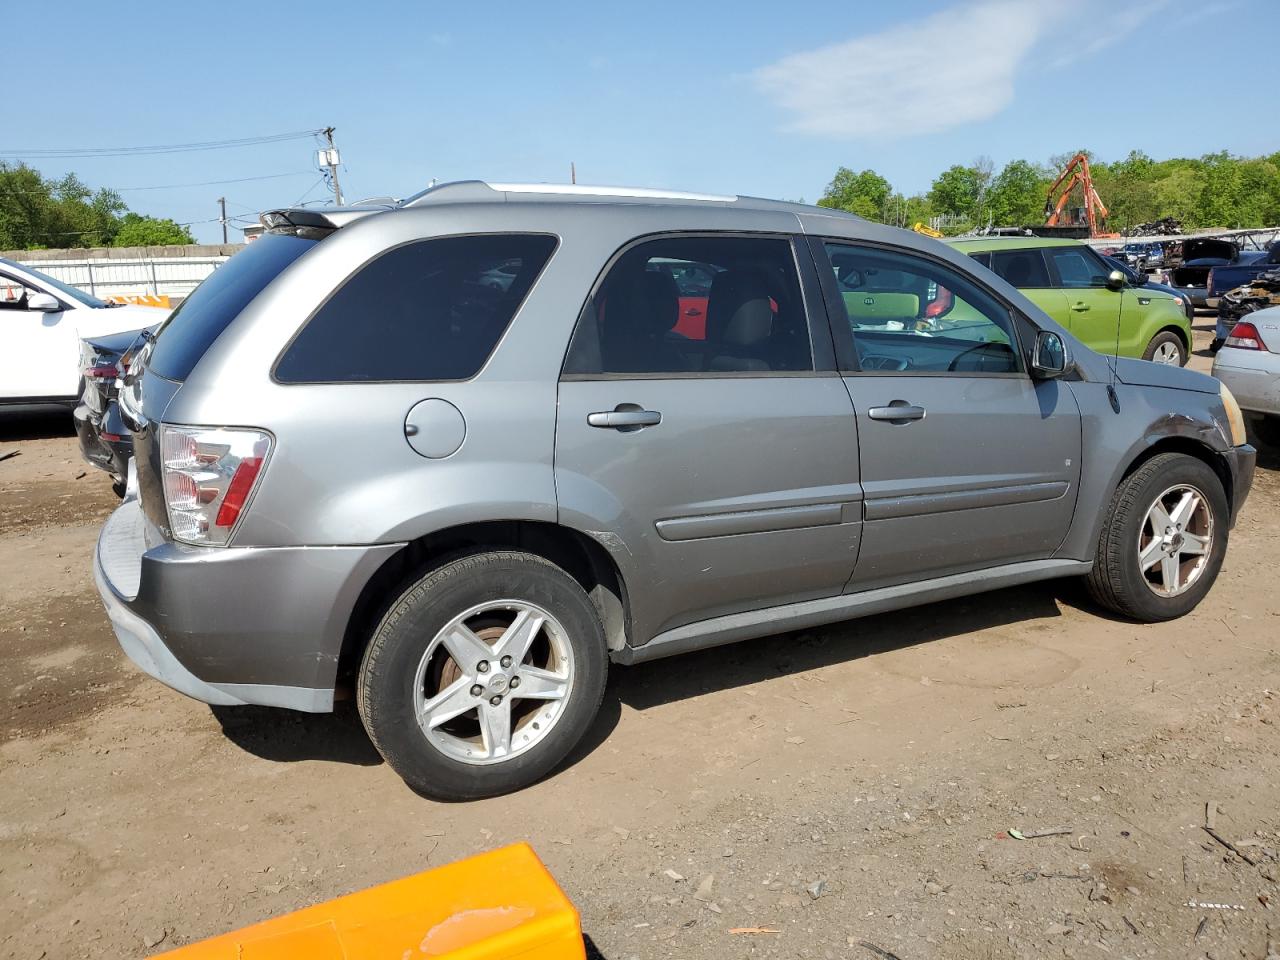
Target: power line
[
  {"x": 87, "y": 152},
  {"x": 214, "y": 183}
]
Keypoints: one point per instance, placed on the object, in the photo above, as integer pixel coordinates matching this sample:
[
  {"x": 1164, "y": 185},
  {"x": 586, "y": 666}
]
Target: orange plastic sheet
[{"x": 501, "y": 904}]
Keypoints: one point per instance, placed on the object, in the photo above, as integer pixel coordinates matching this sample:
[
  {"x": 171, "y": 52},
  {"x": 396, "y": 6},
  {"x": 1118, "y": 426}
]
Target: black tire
[
  {"x": 1161, "y": 338},
  {"x": 1267, "y": 430},
  {"x": 385, "y": 694},
  {"x": 119, "y": 487},
  {"x": 1116, "y": 581}
]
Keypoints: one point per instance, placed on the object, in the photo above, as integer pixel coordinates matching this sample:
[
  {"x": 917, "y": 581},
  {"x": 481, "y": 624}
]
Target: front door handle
[
  {"x": 627, "y": 417},
  {"x": 897, "y": 411},
  {"x": 1079, "y": 306}
]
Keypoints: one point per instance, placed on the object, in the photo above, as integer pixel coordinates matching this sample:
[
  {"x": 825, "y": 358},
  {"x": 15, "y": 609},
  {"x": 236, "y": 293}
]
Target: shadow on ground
[
  {"x": 39, "y": 423},
  {"x": 743, "y": 664},
  {"x": 285, "y": 737}
]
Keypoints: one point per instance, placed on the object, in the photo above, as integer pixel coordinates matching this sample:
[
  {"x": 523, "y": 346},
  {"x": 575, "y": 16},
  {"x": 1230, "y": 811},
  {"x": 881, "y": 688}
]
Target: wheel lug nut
[
  {"x": 515, "y": 682},
  {"x": 494, "y": 701},
  {"x": 483, "y": 666},
  {"x": 477, "y": 690},
  {"x": 506, "y": 662}
]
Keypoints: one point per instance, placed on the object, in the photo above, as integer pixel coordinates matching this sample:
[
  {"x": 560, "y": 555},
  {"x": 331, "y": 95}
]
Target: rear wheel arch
[{"x": 579, "y": 555}]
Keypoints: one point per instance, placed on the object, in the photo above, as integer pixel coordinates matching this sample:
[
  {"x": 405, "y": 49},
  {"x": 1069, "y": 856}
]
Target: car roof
[{"x": 978, "y": 244}]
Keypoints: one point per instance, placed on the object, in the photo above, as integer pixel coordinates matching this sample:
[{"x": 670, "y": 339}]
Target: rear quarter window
[
  {"x": 427, "y": 310},
  {"x": 191, "y": 329}
]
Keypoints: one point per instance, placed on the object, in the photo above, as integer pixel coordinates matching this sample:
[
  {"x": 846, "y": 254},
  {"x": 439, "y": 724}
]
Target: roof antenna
[{"x": 1112, "y": 395}]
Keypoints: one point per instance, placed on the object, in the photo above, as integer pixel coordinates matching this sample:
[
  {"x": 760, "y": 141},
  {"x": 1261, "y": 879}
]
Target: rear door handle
[
  {"x": 625, "y": 419},
  {"x": 897, "y": 410},
  {"x": 1079, "y": 307}
]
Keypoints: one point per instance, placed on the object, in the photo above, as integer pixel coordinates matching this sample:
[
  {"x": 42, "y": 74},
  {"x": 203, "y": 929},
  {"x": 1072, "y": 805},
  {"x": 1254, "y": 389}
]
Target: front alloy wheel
[
  {"x": 1176, "y": 541},
  {"x": 1162, "y": 541}
]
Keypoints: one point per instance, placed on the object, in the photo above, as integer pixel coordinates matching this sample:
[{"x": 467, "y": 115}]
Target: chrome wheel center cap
[{"x": 498, "y": 683}]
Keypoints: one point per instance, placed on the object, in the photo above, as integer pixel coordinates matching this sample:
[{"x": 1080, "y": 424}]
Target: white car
[
  {"x": 41, "y": 323},
  {"x": 1249, "y": 364}
]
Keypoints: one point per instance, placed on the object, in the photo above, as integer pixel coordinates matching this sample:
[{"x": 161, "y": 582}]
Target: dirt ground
[{"x": 853, "y": 785}]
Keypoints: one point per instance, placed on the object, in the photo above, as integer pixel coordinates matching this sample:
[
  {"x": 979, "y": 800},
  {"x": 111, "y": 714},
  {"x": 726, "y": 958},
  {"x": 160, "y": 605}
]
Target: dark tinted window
[
  {"x": 430, "y": 310},
  {"x": 696, "y": 305},
  {"x": 192, "y": 328},
  {"x": 1078, "y": 267},
  {"x": 1022, "y": 268},
  {"x": 907, "y": 314}
]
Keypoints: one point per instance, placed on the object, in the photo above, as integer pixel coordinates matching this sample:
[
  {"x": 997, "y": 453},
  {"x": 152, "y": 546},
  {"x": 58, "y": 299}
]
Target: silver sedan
[{"x": 1249, "y": 364}]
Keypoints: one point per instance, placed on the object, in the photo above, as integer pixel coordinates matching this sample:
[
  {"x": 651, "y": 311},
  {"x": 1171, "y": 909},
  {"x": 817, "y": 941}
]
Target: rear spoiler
[{"x": 315, "y": 223}]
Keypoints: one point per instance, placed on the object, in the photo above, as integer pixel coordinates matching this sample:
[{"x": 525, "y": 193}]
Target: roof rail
[{"x": 483, "y": 190}]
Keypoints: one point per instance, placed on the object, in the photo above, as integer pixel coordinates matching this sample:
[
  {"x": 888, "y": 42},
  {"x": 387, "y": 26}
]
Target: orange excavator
[{"x": 1076, "y": 172}]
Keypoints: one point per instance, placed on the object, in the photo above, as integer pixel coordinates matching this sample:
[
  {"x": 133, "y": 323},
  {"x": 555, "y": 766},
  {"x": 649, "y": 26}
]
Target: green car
[{"x": 1076, "y": 287}]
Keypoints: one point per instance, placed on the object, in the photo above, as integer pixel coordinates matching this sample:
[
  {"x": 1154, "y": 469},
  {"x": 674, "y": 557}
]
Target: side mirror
[
  {"x": 43, "y": 302},
  {"x": 1115, "y": 280},
  {"x": 1049, "y": 359}
]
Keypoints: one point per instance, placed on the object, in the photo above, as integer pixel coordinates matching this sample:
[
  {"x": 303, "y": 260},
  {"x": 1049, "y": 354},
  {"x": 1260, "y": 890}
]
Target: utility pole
[
  {"x": 222, "y": 206},
  {"x": 573, "y": 173},
  {"x": 331, "y": 159}
]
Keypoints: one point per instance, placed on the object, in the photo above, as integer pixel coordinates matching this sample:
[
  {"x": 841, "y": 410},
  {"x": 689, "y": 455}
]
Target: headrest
[
  {"x": 738, "y": 310},
  {"x": 647, "y": 302}
]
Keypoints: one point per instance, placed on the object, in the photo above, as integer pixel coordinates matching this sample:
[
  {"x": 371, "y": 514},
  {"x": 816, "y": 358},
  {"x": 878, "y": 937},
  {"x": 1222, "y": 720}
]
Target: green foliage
[
  {"x": 139, "y": 231},
  {"x": 1017, "y": 194},
  {"x": 866, "y": 194},
  {"x": 957, "y": 191},
  {"x": 38, "y": 213}
]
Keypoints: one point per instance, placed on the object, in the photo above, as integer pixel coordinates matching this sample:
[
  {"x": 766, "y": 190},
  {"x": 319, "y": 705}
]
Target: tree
[
  {"x": 137, "y": 230},
  {"x": 1017, "y": 195},
  {"x": 866, "y": 193},
  {"x": 38, "y": 212},
  {"x": 956, "y": 191}
]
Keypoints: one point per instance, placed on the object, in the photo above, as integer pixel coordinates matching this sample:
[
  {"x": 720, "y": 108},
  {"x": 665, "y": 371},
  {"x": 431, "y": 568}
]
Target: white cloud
[
  {"x": 954, "y": 67},
  {"x": 1118, "y": 27}
]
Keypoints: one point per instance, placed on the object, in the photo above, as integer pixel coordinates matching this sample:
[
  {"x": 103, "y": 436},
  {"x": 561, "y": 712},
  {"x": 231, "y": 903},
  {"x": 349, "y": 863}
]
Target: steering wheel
[{"x": 981, "y": 348}]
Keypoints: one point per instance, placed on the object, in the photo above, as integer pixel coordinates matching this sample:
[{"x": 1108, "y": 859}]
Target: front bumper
[
  {"x": 231, "y": 625},
  {"x": 1241, "y": 461}
]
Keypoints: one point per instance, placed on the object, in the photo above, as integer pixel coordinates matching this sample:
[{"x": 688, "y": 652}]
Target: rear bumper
[
  {"x": 1252, "y": 376},
  {"x": 232, "y": 625},
  {"x": 109, "y": 455}
]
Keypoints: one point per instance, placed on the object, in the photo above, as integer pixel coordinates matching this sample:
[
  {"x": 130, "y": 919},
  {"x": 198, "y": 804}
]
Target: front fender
[{"x": 1118, "y": 435}]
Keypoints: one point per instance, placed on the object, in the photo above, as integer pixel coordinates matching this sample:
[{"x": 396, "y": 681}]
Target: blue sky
[{"x": 754, "y": 98}]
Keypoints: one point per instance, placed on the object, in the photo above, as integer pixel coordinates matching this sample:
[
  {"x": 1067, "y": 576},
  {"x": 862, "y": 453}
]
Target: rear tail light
[
  {"x": 1208, "y": 283},
  {"x": 941, "y": 303},
  {"x": 101, "y": 371},
  {"x": 209, "y": 477},
  {"x": 1245, "y": 336}
]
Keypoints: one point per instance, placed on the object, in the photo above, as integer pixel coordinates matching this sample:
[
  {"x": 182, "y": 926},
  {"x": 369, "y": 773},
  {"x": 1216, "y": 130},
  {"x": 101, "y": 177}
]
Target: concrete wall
[{"x": 172, "y": 271}]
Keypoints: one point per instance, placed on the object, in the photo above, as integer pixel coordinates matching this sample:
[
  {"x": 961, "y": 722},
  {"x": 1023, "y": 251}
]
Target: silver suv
[{"x": 457, "y": 454}]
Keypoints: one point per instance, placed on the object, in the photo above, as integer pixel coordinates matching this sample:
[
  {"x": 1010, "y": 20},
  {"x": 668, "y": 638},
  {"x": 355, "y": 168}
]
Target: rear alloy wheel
[
  {"x": 483, "y": 675},
  {"x": 1166, "y": 348},
  {"x": 1163, "y": 540}
]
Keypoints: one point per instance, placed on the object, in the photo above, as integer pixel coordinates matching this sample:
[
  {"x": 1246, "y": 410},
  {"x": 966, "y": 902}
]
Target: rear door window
[
  {"x": 1021, "y": 268},
  {"x": 191, "y": 329},
  {"x": 710, "y": 306},
  {"x": 427, "y": 310}
]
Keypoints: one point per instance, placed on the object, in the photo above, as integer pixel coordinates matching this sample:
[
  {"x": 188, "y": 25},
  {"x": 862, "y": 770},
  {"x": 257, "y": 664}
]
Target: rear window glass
[
  {"x": 429, "y": 310},
  {"x": 191, "y": 329}
]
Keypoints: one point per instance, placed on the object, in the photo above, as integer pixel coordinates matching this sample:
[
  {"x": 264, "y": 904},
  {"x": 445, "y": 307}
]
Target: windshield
[
  {"x": 79, "y": 296},
  {"x": 191, "y": 329}
]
